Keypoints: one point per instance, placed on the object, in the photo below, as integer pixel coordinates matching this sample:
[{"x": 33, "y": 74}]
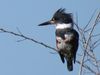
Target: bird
[{"x": 67, "y": 38}]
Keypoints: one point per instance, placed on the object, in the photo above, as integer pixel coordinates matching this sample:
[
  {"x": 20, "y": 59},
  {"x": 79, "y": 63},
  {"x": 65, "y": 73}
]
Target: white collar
[{"x": 63, "y": 26}]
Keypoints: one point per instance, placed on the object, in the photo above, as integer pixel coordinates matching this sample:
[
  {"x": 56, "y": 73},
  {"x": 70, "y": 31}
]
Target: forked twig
[{"x": 87, "y": 42}]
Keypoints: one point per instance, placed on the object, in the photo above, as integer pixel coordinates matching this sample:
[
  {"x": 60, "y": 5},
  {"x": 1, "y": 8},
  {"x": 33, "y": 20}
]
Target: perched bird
[{"x": 67, "y": 38}]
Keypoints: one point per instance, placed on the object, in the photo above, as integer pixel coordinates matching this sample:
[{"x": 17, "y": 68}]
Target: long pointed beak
[{"x": 46, "y": 23}]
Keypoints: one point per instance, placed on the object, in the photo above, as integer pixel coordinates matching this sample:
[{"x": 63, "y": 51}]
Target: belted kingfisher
[{"x": 67, "y": 38}]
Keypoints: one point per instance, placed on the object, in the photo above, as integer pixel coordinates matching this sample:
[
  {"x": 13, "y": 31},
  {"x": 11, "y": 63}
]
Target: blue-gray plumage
[
  {"x": 68, "y": 45},
  {"x": 67, "y": 37}
]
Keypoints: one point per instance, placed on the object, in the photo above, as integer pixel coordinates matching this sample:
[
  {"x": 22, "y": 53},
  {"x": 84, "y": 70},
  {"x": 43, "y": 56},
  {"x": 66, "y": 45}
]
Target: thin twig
[
  {"x": 25, "y": 37},
  {"x": 41, "y": 43},
  {"x": 87, "y": 67},
  {"x": 95, "y": 35},
  {"x": 87, "y": 42},
  {"x": 89, "y": 20}
]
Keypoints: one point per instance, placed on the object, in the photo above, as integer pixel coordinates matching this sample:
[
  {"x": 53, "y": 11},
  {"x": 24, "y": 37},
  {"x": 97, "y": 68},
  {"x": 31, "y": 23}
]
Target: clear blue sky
[{"x": 26, "y": 57}]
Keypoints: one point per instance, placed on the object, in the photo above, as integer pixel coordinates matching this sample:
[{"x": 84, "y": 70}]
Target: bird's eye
[{"x": 56, "y": 18}]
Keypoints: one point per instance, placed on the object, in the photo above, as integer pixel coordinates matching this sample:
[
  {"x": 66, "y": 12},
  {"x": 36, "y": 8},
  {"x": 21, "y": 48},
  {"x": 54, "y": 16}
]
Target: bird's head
[{"x": 59, "y": 17}]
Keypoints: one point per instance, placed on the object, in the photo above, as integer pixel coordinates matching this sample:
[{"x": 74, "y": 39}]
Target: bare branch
[
  {"x": 87, "y": 45},
  {"x": 87, "y": 67},
  {"x": 25, "y": 37},
  {"x": 87, "y": 42},
  {"x": 89, "y": 21}
]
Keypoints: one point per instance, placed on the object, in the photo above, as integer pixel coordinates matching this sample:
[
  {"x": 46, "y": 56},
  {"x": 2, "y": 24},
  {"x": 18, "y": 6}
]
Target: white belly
[{"x": 60, "y": 44}]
